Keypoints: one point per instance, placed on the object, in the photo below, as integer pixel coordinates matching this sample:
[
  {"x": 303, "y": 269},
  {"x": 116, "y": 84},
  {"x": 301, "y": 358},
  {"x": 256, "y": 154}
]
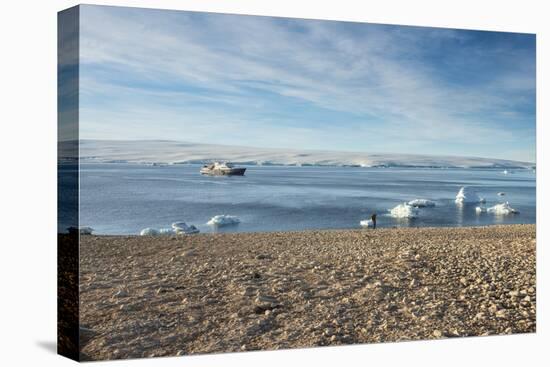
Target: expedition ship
[{"x": 222, "y": 169}]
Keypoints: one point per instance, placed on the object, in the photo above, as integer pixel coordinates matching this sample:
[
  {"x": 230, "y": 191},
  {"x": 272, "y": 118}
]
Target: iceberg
[
  {"x": 183, "y": 228},
  {"x": 149, "y": 232},
  {"x": 404, "y": 211},
  {"x": 468, "y": 195},
  {"x": 421, "y": 203},
  {"x": 481, "y": 209},
  {"x": 166, "y": 231},
  {"x": 223, "y": 220},
  {"x": 189, "y": 230},
  {"x": 366, "y": 223},
  {"x": 502, "y": 209},
  {"x": 179, "y": 226}
]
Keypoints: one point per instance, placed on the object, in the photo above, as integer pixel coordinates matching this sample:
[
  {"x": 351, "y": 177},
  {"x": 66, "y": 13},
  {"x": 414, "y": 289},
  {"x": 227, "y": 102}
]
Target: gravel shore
[{"x": 211, "y": 293}]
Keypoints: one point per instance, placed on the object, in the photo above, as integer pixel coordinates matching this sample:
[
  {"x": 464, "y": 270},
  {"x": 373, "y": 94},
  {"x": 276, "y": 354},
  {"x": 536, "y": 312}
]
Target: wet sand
[{"x": 212, "y": 293}]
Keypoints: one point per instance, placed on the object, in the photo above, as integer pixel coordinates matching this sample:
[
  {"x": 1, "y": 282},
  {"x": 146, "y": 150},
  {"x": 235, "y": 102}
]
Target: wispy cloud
[{"x": 278, "y": 82}]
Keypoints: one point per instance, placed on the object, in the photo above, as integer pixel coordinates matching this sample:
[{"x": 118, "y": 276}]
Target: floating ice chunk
[
  {"x": 481, "y": 209},
  {"x": 502, "y": 209},
  {"x": 366, "y": 223},
  {"x": 149, "y": 232},
  {"x": 468, "y": 195},
  {"x": 190, "y": 230},
  {"x": 183, "y": 228},
  {"x": 223, "y": 220},
  {"x": 166, "y": 231},
  {"x": 404, "y": 211},
  {"x": 177, "y": 228},
  {"x": 421, "y": 203},
  {"x": 501, "y": 193},
  {"x": 179, "y": 225},
  {"x": 85, "y": 230}
]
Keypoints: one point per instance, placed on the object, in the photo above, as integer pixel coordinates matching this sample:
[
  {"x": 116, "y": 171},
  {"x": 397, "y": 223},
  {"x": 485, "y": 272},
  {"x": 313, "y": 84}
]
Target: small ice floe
[
  {"x": 499, "y": 209},
  {"x": 468, "y": 195},
  {"x": 183, "y": 228},
  {"x": 501, "y": 193},
  {"x": 366, "y": 223},
  {"x": 223, "y": 220},
  {"x": 189, "y": 230},
  {"x": 166, "y": 231},
  {"x": 192, "y": 229},
  {"x": 85, "y": 230},
  {"x": 179, "y": 225},
  {"x": 404, "y": 211},
  {"x": 422, "y": 203},
  {"x": 481, "y": 209},
  {"x": 502, "y": 209},
  {"x": 149, "y": 232},
  {"x": 177, "y": 228}
]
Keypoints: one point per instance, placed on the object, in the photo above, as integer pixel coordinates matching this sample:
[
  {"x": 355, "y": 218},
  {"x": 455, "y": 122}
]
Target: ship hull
[{"x": 224, "y": 172}]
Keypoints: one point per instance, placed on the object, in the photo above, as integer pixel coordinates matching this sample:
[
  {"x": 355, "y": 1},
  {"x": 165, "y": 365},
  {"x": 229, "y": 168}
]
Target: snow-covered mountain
[{"x": 174, "y": 152}]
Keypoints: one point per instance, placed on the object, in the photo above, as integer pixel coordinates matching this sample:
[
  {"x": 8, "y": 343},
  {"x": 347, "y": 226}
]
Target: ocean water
[{"x": 125, "y": 198}]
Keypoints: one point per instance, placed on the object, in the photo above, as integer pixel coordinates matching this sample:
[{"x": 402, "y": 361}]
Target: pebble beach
[{"x": 144, "y": 296}]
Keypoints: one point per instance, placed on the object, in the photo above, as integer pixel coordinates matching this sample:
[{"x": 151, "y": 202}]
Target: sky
[{"x": 305, "y": 84}]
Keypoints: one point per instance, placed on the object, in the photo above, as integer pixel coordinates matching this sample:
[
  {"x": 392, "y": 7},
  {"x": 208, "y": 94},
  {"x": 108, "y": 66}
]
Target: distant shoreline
[
  {"x": 252, "y": 164},
  {"x": 177, "y": 152}
]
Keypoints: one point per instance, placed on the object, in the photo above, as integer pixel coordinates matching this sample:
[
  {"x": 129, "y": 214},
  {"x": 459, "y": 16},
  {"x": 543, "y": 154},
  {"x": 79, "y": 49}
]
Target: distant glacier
[{"x": 174, "y": 152}]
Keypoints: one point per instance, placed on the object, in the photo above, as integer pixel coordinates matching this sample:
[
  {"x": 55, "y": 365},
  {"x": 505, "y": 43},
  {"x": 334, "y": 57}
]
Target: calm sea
[{"x": 125, "y": 198}]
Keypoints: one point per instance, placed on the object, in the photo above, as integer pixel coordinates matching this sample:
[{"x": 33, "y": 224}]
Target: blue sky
[{"x": 294, "y": 83}]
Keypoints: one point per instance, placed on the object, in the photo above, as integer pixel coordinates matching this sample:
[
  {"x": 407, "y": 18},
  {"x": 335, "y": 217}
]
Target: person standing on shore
[{"x": 373, "y": 218}]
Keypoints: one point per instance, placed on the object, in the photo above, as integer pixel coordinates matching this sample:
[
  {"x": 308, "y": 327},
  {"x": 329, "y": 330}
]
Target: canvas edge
[{"x": 68, "y": 338}]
